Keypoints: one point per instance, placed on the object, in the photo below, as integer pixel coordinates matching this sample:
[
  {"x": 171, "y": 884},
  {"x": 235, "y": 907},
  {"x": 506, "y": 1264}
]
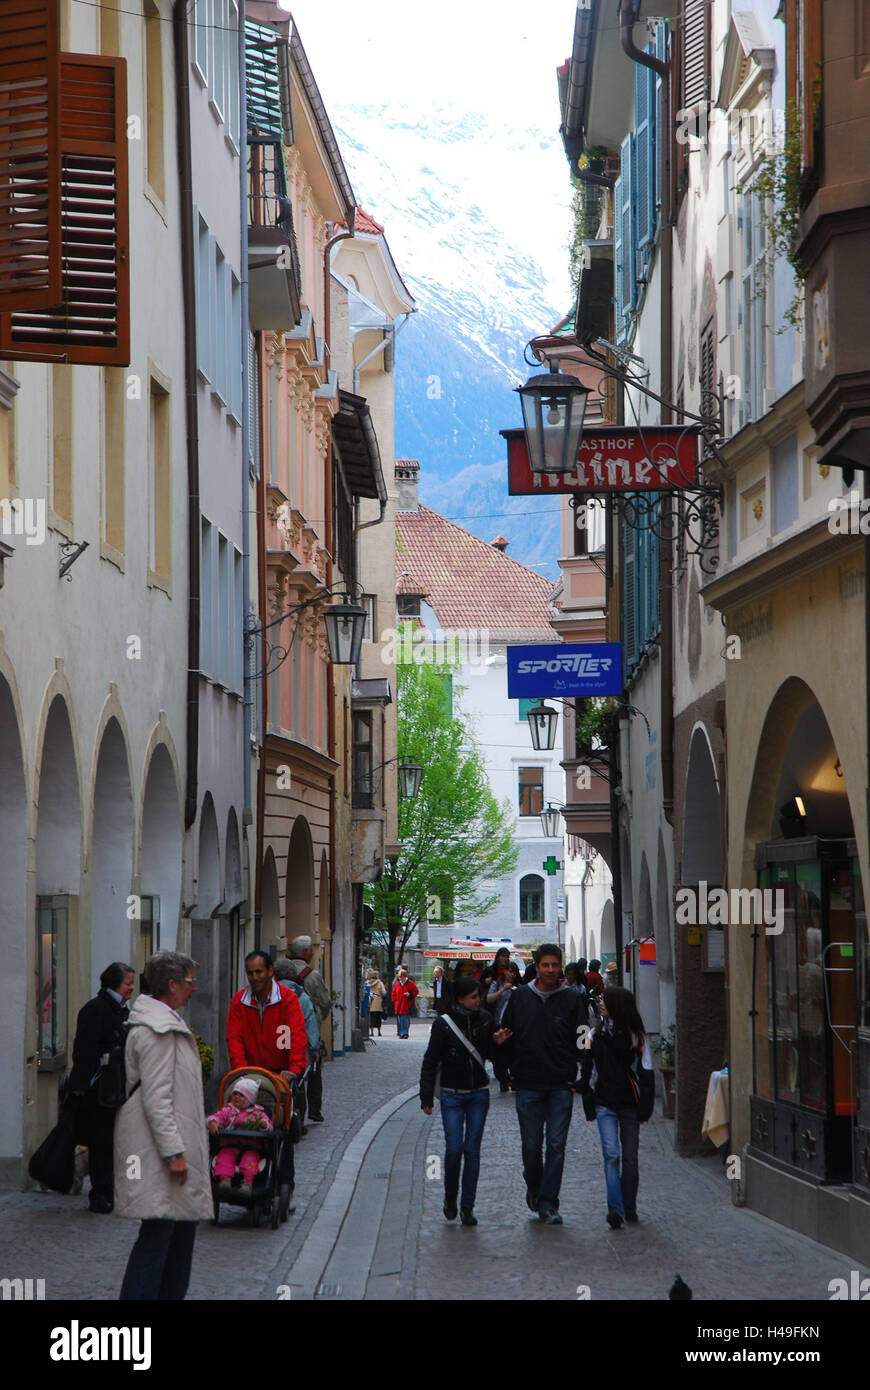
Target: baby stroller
[{"x": 272, "y": 1188}]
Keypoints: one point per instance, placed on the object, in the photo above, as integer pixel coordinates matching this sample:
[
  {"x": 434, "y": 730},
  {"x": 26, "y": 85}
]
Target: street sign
[
  {"x": 611, "y": 458},
  {"x": 564, "y": 669}
]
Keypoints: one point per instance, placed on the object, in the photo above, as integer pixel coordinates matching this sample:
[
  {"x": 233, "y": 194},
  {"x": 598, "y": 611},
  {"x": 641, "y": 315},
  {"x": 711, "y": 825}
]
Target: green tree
[{"x": 454, "y": 834}]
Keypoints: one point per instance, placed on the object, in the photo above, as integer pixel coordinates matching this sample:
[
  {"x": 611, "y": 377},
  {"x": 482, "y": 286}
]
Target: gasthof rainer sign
[{"x": 611, "y": 459}]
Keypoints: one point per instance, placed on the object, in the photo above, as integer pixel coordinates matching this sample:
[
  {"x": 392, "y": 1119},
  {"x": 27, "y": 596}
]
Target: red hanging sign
[{"x": 612, "y": 458}]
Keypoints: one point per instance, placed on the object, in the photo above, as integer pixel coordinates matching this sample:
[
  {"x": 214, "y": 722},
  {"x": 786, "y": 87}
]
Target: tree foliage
[{"x": 454, "y": 834}]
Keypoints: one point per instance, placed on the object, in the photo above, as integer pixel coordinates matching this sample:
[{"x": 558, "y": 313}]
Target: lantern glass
[
  {"x": 345, "y": 629},
  {"x": 542, "y": 726},
  {"x": 554, "y": 405},
  {"x": 551, "y": 821},
  {"x": 410, "y": 776}
]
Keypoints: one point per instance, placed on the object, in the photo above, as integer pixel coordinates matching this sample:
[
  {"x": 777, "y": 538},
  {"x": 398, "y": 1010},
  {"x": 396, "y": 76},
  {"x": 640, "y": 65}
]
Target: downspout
[
  {"x": 262, "y": 645},
  {"x": 628, "y": 17},
  {"x": 327, "y": 324},
  {"x": 247, "y": 816},
  {"x": 188, "y": 283}
]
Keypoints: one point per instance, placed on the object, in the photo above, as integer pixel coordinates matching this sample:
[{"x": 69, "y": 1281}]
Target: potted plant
[{"x": 665, "y": 1049}]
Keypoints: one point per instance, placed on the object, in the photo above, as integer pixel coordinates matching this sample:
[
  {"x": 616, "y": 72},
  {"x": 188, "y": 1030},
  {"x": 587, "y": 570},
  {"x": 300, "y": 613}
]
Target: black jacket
[
  {"x": 99, "y": 1027},
  {"x": 618, "y": 1062},
  {"x": 459, "y": 1071},
  {"x": 543, "y": 1053}
]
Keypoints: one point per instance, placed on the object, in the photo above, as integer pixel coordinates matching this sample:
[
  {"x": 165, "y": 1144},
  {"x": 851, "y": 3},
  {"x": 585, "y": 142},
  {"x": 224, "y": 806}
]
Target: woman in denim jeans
[
  {"x": 617, "y": 1087},
  {"x": 460, "y": 1042}
]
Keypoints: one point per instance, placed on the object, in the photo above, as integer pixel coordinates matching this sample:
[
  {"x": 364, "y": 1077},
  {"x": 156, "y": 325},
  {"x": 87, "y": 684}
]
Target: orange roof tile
[
  {"x": 469, "y": 583},
  {"x": 366, "y": 223}
]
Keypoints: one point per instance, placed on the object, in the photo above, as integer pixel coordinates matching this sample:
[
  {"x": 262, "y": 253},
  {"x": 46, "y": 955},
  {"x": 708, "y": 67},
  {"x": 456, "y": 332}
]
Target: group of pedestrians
[
  {"x": 148, "y": 1153},
  {"x": 541, "y": 1047}
]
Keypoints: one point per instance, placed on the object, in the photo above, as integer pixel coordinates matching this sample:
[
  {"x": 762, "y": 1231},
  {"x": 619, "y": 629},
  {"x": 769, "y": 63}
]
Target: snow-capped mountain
[{"x": 478, "y": 223}]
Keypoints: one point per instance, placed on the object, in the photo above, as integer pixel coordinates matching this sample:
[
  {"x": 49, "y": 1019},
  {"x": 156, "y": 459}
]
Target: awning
[
  {"x": 357, "y": 443},
  {"x": 457, "y": 953}
]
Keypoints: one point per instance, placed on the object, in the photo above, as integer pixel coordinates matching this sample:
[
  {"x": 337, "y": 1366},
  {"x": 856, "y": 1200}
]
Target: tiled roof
[
  {"x": 469, "y": 583},
  {"x": 366, "y": 223}
]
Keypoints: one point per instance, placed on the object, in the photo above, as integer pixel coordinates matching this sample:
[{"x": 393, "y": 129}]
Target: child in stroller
[{"x": 239, "y": 1114}]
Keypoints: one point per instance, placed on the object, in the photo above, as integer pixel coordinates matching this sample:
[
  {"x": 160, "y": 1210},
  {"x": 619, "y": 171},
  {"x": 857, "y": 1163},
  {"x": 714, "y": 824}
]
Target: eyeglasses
[{"x": 185, "y": 980}]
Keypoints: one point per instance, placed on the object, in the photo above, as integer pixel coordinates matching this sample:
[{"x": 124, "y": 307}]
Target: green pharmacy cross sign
[{"x": 551, "y": 864}]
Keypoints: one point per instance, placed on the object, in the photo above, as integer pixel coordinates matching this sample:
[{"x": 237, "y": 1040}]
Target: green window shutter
[
  {"x": 526, "y": 703},
  {"x": 618, "y": 321},
  {"x": 645, "y": 159},
  {"x": 629, "y": 612},
  {"x": 629, "y": 284},
  {"x": 262, "y": 87}
]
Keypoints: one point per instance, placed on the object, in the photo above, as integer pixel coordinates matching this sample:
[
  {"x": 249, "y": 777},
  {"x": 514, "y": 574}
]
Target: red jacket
[
  {"x": 403, "y": 996},
  {"x": 256, "y": 1042}
]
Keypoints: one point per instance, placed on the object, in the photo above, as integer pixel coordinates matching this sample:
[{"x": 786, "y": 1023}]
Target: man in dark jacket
[
  {"x": 544, "y": 1018},
  {"x": 99, "y": 1027},
  {"x": 456, "y": 1037}
]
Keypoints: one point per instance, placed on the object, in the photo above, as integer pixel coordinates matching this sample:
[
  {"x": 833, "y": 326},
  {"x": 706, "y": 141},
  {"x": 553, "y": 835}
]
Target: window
[
  {"x": 753, "y": 305},
  {"x": 640, "y": 589},
  {"x": 218, "y": 64},
  {"x": 161, "y": 497},
  {"x": 114, "y": 417},
  {"x": 531, "y": 898},
  {"x": 201, "y": 14},
  {"x": 62, "y": 441},
  {"x": 784, "y": 471},
  {"x": 149, "y": 929},
  {"x": 531, "y": 791},
  {"x": 370, "y": 604},
  {"x": 52, "y": 921},
  {"x": 447, "y": 683},
  {"x": 232, "y": 50},
  {"x": 362, "y": 758},
  {"x": 234, "y": 349},
  {"x": 253, "y": 406},
  {"x": 208, "y": 589},
  {"x": 222, "y": 332},
  {"x": 110, "y": 26},
  {"x": 154, "y": 151},
  {"x": 695, "y": 86},
  {"x": 92, "y": 185},
  {"x": 224, "y": 610},
  {"x": 524, "y": 705},
  {"x": 408, "y": 605}
]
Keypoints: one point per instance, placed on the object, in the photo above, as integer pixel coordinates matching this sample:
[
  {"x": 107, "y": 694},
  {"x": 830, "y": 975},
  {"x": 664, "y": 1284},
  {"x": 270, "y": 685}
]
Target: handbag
[{"x": 54, "y": 1163}]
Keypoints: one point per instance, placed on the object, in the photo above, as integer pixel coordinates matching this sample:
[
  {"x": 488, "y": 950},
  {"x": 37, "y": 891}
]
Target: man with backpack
[
  {"x": 99, "y": 1028},
  {"x": 301, "y": 953}
]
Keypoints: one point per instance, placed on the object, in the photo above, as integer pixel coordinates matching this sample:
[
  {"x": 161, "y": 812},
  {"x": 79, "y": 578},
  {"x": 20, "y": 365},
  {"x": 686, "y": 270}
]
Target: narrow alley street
[{"x": 369, "y": 1225}]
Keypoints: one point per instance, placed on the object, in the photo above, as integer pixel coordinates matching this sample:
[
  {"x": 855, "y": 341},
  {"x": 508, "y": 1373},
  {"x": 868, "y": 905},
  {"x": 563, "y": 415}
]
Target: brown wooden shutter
[
  {"x": 91, "y": 322},
  {"x": 30, "y": 274}
]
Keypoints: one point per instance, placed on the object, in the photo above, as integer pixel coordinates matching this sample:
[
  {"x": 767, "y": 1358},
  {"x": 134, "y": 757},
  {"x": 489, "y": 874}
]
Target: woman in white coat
[{"x": 161, "y": 1148}]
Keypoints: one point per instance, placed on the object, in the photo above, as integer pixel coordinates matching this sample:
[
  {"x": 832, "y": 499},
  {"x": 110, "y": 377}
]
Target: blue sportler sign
[{"x": 565, "y": 669}]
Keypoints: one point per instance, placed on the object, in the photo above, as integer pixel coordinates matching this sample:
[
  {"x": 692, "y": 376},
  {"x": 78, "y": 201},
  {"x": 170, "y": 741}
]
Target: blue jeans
[
  {"x": 613, "y": 1126},
  {"x": 535, "y": 1110},
  {"x": 159, "y": 1263},
  {"x": 403, "y": 1024},
  {"x": 460, "y": 1113}
]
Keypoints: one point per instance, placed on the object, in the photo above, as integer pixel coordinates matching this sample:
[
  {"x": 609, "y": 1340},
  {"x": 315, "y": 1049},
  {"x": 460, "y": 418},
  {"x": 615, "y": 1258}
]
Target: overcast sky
[{"x": 496, "y": 57}]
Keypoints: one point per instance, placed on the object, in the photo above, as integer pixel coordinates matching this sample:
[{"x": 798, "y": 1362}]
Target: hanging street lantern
[
  {"x": 542, "y": 726},
  {"x": 553, "y": 408},
  {"x": 345, "y": 629},
  {"x": 410, "y": 776},
  {"x": 551, "y": 820}
]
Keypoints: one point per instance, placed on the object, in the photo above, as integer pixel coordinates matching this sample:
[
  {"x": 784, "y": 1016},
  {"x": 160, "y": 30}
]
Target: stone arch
[
  {"x": 160, "y": 851},
  {"x": 56, "y": 824},
  {"x": 14, "y": 931},
  {"x": 270, "y": 911},
  {"x": 645, "y": 987},
  {"x": 232, "y": 862},
  {"x": 664, "y": 937},
  {"x": 323, "y": 918},
  {"x": 208, "y": 882},
  {"x": 299, "y": 915},
  {"x": 702, "y": 837},
  {"x": 110, "y": 857},
  {"x": 207, "y": 939}
]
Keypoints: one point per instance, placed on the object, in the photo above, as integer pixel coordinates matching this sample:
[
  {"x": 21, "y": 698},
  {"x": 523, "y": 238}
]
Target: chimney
[
  {"x": 500, "y": 544},
  {"x": 407, "y": 475}
]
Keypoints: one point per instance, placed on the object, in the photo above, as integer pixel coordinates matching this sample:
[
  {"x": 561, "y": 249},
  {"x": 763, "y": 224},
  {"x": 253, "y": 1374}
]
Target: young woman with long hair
[{"x": 617, "y": 1086}]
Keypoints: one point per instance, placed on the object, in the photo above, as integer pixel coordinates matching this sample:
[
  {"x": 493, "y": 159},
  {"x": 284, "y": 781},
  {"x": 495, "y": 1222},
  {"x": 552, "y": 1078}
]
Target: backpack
[{"x": 111, "y": 1079}]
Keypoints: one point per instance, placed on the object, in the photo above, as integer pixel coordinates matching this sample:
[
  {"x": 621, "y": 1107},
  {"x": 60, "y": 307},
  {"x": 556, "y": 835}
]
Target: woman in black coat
[
  {"x": 455, "y": 1038},
  {"x": 99, "y": 1027}
]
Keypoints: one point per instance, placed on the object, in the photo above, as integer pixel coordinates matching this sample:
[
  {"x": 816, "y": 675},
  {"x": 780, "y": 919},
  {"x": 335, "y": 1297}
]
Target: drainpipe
[
  {"x": 261, "y": 644},
  {"x": 628, "y": 17},
  {"x": 188, "y": 290},
  {"x": 332, "y": 240},
  {"x": 247, "y": 815}
]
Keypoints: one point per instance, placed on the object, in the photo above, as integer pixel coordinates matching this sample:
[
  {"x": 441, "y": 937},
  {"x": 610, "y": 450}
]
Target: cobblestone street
[{"x": 369, "y": 1222}]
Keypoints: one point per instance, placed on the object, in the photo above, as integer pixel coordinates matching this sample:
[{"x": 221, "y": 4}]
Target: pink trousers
[{"x": 226, "y": 1160}]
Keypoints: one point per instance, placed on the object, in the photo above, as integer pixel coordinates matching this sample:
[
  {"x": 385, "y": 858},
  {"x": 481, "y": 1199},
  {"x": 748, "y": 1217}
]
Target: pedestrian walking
[
  {"x": 441, "y": 991},
  {"x": 617, "y": 1086},
  {"x": 544, "y": 1018},
  {"x": 99, "y": 1028},
  {"x": 301, "y": 952},
  {"x": 284, "y": 976},
  {"x": 460, "y": 1042},
  {"x": 376, "y": 1009},
  {"x": 161, "y": 1143},
  {"x": 496, "y": 1002},
  {"x": 403, "y": 994}
]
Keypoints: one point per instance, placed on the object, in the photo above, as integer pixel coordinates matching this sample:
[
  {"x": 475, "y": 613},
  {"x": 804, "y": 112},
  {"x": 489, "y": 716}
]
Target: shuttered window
[
  {"x": 696, "y": 51},
  {"x": 629, "y": 617},
  {"x": 645, "y": 153},
  {"x": 618, "y": 323},
  {"x": 91, "y": 321},
  {"x": 29, "y": 154}
]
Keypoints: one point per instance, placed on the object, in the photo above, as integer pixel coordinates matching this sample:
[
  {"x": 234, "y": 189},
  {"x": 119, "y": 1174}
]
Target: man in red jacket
[{"x": 265, "y": 1024}]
